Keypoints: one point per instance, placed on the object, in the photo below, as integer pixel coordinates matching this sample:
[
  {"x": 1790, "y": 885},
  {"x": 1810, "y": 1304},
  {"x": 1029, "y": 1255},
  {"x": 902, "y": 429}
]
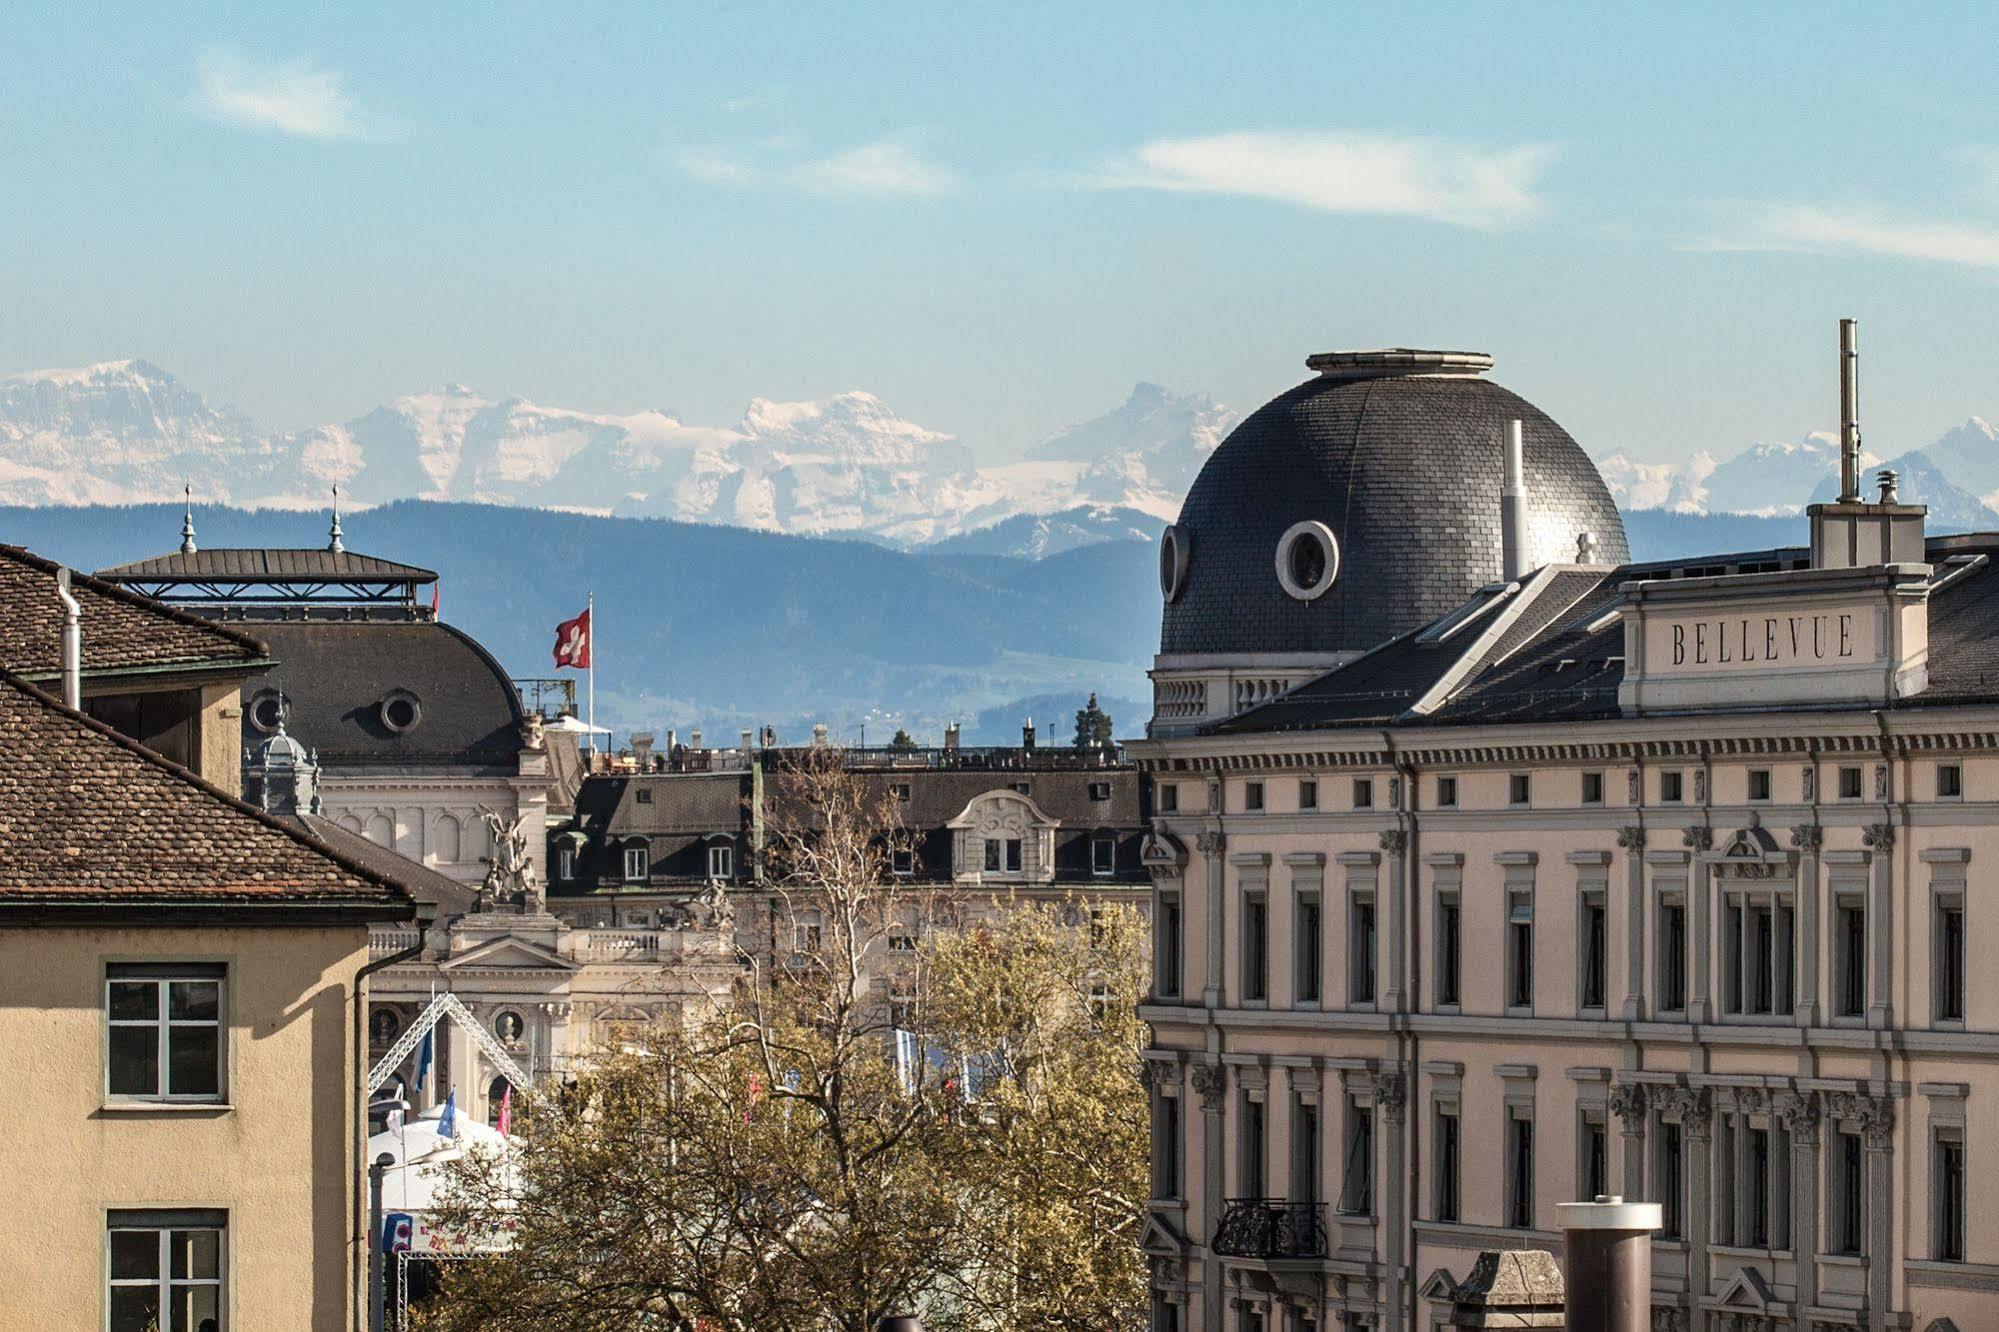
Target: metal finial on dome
[
  {"x": 187, "y": 522},
  {"x": 334, "y": 533}
]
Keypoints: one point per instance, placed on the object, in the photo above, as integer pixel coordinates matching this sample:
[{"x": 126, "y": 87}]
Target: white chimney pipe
[
  {"x": 1849, "y": 411},
  {"x": 72, "y": 644},
  {"x": 1513, "y": 508}
]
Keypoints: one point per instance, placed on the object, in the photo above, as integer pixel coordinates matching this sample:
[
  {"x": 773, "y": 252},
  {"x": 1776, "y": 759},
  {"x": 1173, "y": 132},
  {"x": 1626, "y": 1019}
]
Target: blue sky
[{"x": 999, "y": 217}]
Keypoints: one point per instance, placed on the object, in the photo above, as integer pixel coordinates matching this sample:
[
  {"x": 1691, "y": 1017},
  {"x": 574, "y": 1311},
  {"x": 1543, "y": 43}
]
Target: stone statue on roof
[{"x": 510, "y": 878}]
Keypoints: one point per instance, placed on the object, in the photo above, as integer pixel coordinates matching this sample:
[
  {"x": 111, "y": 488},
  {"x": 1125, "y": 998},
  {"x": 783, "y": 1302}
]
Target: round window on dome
[
  {"x": 267, "y": 711},
  {"x": 1308, "y": 560},
  {"x": 400, "y": 711},
  {"x": 1176, "y": 551}
]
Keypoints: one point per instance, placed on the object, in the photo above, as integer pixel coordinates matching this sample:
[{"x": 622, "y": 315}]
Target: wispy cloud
[
  {"x": 1340, "y": 172},
  {"x": 293, "y": 97},
  {"x": 1818, "y": 229},
  {"x": 882, "y": 167}
]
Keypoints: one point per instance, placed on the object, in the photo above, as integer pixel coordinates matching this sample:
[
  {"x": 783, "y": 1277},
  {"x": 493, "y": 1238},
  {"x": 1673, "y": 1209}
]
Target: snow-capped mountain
[{"x": 127, "y": 431}]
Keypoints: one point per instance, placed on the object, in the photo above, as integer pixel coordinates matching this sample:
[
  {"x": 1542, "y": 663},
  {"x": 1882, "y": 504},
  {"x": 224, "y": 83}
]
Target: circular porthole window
[
  {"x": 267, "y": 711},
  {"x": 1308, "y": 560},
  {"x": 400, "y": 711},
  {"x": 1176, "y": 551}
]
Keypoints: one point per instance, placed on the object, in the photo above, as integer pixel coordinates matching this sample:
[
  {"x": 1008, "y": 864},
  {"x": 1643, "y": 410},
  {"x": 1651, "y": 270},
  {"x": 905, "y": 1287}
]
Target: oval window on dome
[
  {"x": 1308, "y": 560},
  {"x": 1175, "y": 552},
  {"x": 267, "y": 710},
  {"x": 400, "y": 711}
]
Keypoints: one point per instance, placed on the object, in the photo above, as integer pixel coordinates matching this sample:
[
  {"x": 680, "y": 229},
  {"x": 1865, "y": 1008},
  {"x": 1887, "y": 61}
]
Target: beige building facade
[{"x": 1656, "y": 880}]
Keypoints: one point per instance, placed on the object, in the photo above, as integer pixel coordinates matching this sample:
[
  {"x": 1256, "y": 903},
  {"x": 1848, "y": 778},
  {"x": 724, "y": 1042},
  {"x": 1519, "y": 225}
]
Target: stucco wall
[{"x": 277, "y": 1158}]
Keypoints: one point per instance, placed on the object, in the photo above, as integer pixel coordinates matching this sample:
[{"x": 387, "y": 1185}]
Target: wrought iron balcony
[{"x": 1271, "y": 1228}]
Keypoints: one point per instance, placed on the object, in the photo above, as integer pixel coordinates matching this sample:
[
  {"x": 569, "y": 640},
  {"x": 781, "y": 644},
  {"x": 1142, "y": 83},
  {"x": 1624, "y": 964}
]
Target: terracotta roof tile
[{"x": 121, "y": 630}]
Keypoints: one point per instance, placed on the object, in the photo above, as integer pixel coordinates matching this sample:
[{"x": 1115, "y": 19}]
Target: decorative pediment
[
  {"x": 1745, "y": 1290},
  {"x": 1439, "y": 1285},
  {"x": 1941, "y": 1325},
  {"x": 1162, "y": 853},
  {"x": 1160, "y": 1239},
  {"x": 1000, "y": 809},
  {"x": 508, "y": 953}
]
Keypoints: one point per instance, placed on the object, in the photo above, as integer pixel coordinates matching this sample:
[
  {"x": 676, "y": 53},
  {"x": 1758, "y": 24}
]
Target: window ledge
[
  {"x": 165, "y": 1108},
  {"x": 1843, "y": 1260}
]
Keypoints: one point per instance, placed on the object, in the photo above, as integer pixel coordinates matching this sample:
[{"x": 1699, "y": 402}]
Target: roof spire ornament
[
  {"x": 187, "y": 521},
  {"x": 333, "y": 544}
]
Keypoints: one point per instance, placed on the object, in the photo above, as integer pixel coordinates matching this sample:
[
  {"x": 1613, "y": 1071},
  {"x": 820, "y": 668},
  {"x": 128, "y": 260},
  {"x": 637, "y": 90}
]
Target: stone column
[
  {"x": 1697, "y": 1141},
  {"x": 1628, "y": 1103},
  {"x": 1799, "y": 1114},
  {"x": 1880, "y": 839},
  {"x": 1807, "y": 838},
  {"x": 1393, "y": 886},
  {"x": 1877, "y": 1127},
  {"x": 1211, "y": 843},
  {"x": 1211, "y": 1083},
  {"x": 1631, "y": 838},
  {"x": 1391, "y": 1094},
  {"x": 1700, "y": 893}
]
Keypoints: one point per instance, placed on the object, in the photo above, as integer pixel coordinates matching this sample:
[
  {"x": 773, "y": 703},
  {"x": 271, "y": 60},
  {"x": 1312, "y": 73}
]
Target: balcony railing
[{"x": 1271, "y": 1228}]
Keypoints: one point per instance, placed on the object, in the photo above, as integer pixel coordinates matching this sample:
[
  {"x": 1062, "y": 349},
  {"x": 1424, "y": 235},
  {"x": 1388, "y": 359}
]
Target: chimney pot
[{"x": 1513, "y": 506}]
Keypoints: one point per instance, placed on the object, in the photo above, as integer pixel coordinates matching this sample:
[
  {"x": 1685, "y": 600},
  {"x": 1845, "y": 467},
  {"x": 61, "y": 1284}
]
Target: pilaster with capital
[
  {"x": 1631, "y": 840},
  {"x": 1880, "y": 839},
  {"x": 1807, "y": 839},
  {"x": 1798, "y": 1113},
  {"x": 1699, "y": 839},
  {"x": 1627, "y": 1100},
  {"x": 1211, "y": 1082},
  {"x": 1695, "y": 1106},
  {"x": 1211, "y": 842},
  {"x": 1394, "y": 848}
]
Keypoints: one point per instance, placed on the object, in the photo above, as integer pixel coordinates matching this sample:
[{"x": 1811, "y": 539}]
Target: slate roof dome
[{"x": 1364, "y": 503}]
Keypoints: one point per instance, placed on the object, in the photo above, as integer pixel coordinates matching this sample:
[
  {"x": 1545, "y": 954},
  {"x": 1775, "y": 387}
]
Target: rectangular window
[
  {"x": 993, "y": 854},
  {"x": 1847, "y": 1165},
  {"x": 1671, "y": 1184},
  {"x": 721, "y": 862},
  {"x": 1947, "y": 1188},
  {"x": 1672, "y": 954},
  {"x": 1756, "y": 953},
  {"x": 165, "y": 1031},
  {"x": 1363, "y": 793},
  {"x": 1759, "y": 783},
  {"x": 1169, "y": 798},
  {"x": 1252, "y": 1183},
  {"x": 1013, "y": 855},
  {"x": 1100, "y": 790},
  {"x": 1166, "y": 949},
  {"x": 1357, "y": 1162},
  {"x": 1255, "y": 939},
  {"x": 165, "y": 1270},
  {"x": 1948, "y": 967},
  {"x": 1360, "y": 949},
  {"x": 902, "y": 933},
  {"x": 1849, "y": 783},
  {"x": 1672, "y": 786},
  {"x": 645, "y": 795},
  {"x": 565, "y": 863},
  {"x": 1724, "y": 1180},
  {"x": 1448, "y": 1189},
  {"x": 1950, "y": 781},
  {"x": 1252, "y": 795},
  {"x": 1519, "y": 1171},
  {"x": 1309, "y": 944},
  {"x": 1756, "y": 1185},
  {"x": 1595, "y": 953},
  {"x": 1308, "y": 793},
  {"x": 1165, "y": 1146},
  {"x": 1447, "y": 793},
  {"x": 1165, "y": 1313},
  {"x": 638, "y": 864},
  {"x": 1594, "y": 1151},
  {"x": 806, "y": 931},
  {"x": 1592, "y": 788},
  {"x": 1518, "y": 788},
  {"x": 1304, "y": 1151},
  {"x": 902, "y": 861},
  {"x": 1850, "y": 957},
  {"x": 1448, "y": 955},
  {"x": 901, "y": 790},
  {"x": 1103, "y": 857},
  {"x": 1519, "y": 950}
]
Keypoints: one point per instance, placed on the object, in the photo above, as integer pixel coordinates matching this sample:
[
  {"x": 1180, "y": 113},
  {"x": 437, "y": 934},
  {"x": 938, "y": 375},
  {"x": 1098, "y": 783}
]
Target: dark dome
[{"x": 1401, "y": 455}]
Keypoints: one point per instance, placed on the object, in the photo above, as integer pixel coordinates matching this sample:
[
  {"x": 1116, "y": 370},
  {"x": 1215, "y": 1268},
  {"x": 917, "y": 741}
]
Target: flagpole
[{"x": 590, "y": 646}]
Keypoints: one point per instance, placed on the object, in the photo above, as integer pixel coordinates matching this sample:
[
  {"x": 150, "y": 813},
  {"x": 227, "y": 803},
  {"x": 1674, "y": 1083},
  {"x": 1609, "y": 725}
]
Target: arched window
[
  {"x": 382, "y": 831},
  {"x": 448, "y": 840},
  {"x": 496, "y": 1093},
  {"x": 350, "y": 823}
]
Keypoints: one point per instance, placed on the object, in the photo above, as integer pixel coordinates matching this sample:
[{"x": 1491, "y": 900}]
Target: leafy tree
[
  {"x": 1093, "y": 726},
  {"x": 903, "y": 740},
  {"x": 956, "y": 1129}
]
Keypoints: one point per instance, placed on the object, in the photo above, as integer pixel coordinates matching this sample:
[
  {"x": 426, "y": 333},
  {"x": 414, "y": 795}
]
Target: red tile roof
[{"x": 122, "y": 630}]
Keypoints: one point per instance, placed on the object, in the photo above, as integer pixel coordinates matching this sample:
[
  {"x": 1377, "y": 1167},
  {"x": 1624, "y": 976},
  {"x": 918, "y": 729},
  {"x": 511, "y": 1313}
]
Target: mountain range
[{"x": 126, "y": 432}]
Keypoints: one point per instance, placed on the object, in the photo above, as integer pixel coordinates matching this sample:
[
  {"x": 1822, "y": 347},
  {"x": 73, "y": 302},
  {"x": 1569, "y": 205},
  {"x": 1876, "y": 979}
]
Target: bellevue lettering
[{"x": 1735, "y": 640}]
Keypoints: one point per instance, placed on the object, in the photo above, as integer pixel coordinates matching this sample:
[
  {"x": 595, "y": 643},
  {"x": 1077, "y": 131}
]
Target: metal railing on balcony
[{"x": 1271, "y": 1228}]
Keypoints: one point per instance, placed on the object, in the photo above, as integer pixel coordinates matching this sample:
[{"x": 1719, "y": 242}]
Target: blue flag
[
  {"x": 447, "y": 1123},
  {"x": 423, "y": 1061}
]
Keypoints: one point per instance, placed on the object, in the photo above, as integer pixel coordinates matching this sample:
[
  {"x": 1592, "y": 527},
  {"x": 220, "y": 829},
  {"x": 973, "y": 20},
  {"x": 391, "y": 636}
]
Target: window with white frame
[
  {"x": 1948, "y": 959},
  {"x": 1103, "y": 856},
  {"x": 1519, "y": 788},
  {"x": 565, "y": 863},
  {"x": 165, "y": 1270},
  {"x": 722, "y": 862},
  {"x": 638, "y": 863},
  {"x": 165, "y": 1031},
  {"x": 902, "y": 931},
  {"x": 1759, "y": 784},
  {"x": 1448, "y": 1189},
  {"x": 1849, "y": 783},
  {"x": 1756, "y": 935},
  {"x": 1672, "y": 786},
  {"x": 1752, "y": 1163}
]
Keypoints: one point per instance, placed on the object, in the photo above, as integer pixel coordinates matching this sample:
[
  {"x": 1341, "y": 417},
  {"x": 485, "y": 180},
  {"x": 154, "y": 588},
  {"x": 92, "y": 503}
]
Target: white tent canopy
[{"x": 570, "y": 722}]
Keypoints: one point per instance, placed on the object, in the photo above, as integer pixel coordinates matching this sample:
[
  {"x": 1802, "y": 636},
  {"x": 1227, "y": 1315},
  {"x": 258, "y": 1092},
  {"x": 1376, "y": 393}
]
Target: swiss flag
[{"x": 572, "y": 642}]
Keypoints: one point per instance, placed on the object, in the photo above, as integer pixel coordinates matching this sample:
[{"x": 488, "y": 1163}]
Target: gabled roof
[
  {"x": 252, "y": 565},
  {"x": 122, "y": 631},
  {"x": 90, "y": 818}
]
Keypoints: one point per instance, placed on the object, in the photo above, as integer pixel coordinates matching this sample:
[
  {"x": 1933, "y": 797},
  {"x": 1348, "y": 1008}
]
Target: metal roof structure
[{"x": 249, "y": 578}]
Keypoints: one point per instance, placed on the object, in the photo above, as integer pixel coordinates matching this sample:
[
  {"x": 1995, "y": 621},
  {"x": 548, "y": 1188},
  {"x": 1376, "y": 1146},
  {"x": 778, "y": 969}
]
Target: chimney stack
[
  {"x": 1027, "y": 734},
  {"x": 72, "y": 644},
  {"x": 1513, "y": 508},
  {"x": 642, "y": 749},
  {"x": 951, "y": 738},
  {"x": 1849, "y": 411}
]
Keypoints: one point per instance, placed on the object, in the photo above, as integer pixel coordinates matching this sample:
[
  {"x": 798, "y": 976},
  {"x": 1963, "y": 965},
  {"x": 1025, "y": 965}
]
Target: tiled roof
[
  {"x": 253, "y": 565},
  {"x": 121, "y": 630},
  {"x": 419, "y": 881},
  {"x": 88, "y": 816}
]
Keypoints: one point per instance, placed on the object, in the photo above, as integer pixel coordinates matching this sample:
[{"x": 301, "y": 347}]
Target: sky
[{"x": 1000, "y": 217}]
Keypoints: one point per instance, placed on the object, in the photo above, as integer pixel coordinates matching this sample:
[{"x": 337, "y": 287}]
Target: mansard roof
[
  {"x": 122, "y": 631},
  {"x": 90, "y": 817}
]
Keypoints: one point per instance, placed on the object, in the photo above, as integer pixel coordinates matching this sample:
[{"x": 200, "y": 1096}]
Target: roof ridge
[
  {"x": 79, "y": 578},
  {"x": 194, "y": 779}
]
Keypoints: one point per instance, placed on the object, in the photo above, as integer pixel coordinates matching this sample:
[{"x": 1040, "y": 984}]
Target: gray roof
[
  {"x": 1405, "y": 469},
  {"x": 334, "y": 675},
  {"x": 258, "y": 565},
  {"x": 422, "y": 883}
]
